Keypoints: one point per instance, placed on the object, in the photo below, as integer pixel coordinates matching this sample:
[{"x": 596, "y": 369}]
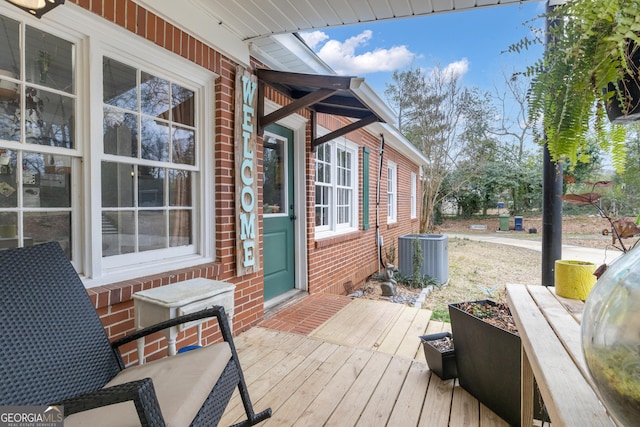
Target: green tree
[{"x": 626, "y": 189}]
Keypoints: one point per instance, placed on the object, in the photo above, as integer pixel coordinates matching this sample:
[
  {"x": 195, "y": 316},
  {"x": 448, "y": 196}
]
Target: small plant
[
  {"x": 417, "y": 260},
  {"x": 417, "y": 281},
  {"x": 390, "y": 254}
]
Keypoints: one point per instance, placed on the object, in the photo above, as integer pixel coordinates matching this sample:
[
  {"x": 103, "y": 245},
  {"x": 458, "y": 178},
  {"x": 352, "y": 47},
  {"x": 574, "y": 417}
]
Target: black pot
[
  {"x": 488, "y": 362},
  {"x": 441, "y": 363},
  {"x": 630, "y": 87}
]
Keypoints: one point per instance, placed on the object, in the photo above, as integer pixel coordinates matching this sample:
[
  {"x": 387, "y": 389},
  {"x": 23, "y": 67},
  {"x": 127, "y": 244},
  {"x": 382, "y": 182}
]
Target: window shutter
[{"x": 365, "y": 188}]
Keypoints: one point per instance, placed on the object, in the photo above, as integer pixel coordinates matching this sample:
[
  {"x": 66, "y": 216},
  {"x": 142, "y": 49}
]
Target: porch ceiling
[{"x": 254, "y": 19}]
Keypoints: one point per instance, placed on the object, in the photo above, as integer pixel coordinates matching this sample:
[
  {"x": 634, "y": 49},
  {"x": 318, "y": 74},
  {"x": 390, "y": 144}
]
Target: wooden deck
[{"x": 362, "y": 367}]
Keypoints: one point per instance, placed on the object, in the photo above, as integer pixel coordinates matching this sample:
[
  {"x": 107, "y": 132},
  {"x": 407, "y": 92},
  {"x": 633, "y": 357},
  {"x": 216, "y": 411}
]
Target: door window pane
[{"x": 274, "y": 183}]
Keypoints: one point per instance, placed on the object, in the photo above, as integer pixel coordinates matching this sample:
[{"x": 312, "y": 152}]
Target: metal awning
[{"x": 327, "y": 94}]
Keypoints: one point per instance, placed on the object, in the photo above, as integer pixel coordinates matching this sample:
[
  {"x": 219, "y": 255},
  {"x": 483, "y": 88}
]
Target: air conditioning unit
[{"x": 435, "y": 255}]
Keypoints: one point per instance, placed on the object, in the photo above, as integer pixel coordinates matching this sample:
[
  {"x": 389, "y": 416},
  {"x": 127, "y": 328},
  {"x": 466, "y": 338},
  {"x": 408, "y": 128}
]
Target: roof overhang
[{"x": 342, "y": 96}]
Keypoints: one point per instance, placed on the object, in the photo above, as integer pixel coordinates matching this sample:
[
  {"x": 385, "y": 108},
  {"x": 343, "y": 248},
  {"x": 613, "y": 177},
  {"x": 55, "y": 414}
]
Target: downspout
[{"x": 379, "y": 241}]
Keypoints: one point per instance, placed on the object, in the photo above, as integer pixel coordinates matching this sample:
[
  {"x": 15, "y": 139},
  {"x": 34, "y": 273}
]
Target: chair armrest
[
  {"x": 216, "y": 311},
  {"x": 141, "y": 392}
]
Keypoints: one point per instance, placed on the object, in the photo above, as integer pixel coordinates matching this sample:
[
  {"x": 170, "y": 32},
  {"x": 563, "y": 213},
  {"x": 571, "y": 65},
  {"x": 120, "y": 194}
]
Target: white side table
[{"x": 167, "y": 302}]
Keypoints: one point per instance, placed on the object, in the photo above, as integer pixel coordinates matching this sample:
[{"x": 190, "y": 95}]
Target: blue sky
[{"x": 469, "y": 41}]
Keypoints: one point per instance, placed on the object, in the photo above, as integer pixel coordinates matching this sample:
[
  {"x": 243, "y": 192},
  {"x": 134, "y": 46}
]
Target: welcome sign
[{"x": 246, "y": 136}]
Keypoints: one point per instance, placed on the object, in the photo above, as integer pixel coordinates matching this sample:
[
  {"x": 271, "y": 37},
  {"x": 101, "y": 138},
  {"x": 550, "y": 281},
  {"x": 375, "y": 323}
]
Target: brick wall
[
  {"x": 335, "y": 265},
  {"x": 113, "y": 302},
  {"x": 343, "y": 263}
]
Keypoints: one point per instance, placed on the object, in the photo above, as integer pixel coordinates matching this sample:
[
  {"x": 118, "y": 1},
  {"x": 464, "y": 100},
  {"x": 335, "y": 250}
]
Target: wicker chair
[{"x": 54, "y": 351}]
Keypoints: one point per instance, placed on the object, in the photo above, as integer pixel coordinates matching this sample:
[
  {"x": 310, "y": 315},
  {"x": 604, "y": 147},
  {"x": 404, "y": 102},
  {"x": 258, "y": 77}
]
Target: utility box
[
  {"x": 435, "y": 255},
  {"x": 504, "y": 222}
]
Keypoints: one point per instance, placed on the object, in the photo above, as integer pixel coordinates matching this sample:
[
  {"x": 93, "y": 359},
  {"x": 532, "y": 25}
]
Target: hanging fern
[{"x": 586, "y": 69}]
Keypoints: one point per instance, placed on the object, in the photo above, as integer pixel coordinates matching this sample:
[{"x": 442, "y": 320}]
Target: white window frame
[
  {"x": 414, "y": 195},
  {"x": 392, "y": 192},
  {"x": 95, "y": 38},
  {"x": 333, "y": 228}
]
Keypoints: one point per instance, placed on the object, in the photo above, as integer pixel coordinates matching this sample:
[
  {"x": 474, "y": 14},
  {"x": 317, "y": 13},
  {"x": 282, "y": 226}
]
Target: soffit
[{"x": 254, "y": 19}]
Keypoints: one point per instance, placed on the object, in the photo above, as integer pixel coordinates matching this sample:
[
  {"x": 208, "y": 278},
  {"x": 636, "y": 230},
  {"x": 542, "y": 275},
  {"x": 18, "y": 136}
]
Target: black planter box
[
  {"x": 442, "y": 363},
  {"x": 488, "y": 361}
]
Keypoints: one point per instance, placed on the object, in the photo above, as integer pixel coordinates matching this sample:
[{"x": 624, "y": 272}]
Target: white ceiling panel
[
  {"x": 381, "y": 9},
  {"x": 442, "y": 5},
  {"x": 348, "y": 12},
  {"x": 421, "y": 7},
  {"x": 402, "y": 8},
  {"x": 330, "y": 14},
  {"x": 310, "y": 14},
  {"x": 464, "y": 4},
  {"x": 260, "y": 18}
]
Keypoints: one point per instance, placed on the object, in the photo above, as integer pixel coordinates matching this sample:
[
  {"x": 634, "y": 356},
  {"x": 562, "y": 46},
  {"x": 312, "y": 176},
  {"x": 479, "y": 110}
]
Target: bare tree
[
  {"x": 513, "y": 120},
  {"x": 430, "y": 117}
]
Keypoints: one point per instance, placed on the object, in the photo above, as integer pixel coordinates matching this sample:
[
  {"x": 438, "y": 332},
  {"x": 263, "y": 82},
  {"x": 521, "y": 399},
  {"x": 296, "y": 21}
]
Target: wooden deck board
[
  {"x": 353, "y": 403},
  {"x": 394, "y": 337},
  {"x": 334, "y": 391},
  {"x": 437, "y": 404},
  {"x": 465, "y": 410},
  {"x": 406, "y": 411},
  {"x": 410, "y": 344},
  {"x": 338, "y": 376},
  {"x": 383, "y": 398}
]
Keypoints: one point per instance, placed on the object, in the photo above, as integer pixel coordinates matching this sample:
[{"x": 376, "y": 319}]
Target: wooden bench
[{"x": 549, "y": 328}]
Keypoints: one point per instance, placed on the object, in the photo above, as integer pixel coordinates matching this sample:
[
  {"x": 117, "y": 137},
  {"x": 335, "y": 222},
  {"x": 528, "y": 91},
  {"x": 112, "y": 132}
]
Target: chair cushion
[{"x": 182, "y": 383}]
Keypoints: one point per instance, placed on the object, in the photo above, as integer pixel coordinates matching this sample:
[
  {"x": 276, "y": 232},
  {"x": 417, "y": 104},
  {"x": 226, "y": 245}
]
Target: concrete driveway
[{"x": 570, "y": 252}]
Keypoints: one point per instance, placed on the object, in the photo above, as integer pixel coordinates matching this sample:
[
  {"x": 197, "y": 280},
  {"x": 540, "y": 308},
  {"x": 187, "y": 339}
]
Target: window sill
[
  {"x": 328, "y": 241},
  {"x": 115, "y": 293}
]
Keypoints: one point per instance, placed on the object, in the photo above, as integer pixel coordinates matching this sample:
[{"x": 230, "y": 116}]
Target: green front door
[{"x": 278, "y": 203}]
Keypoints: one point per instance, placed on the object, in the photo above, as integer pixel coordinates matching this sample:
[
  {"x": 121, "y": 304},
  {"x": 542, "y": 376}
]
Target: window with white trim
[
  {"x": 39, "y": 157},
  {"x": 148, "y": 166},
  {"x": 336, "y": 207},
  {"x": 115, "y": 168},
  {"x": 414, "y": 195},
  {"x": 392, "y": 192}
]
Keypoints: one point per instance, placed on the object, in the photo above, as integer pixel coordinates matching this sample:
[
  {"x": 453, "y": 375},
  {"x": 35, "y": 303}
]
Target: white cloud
[
  {"x": 457, "y": 68},
  {"x": 342, "y": 56},
  {"x": 314, "y": 38}
]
